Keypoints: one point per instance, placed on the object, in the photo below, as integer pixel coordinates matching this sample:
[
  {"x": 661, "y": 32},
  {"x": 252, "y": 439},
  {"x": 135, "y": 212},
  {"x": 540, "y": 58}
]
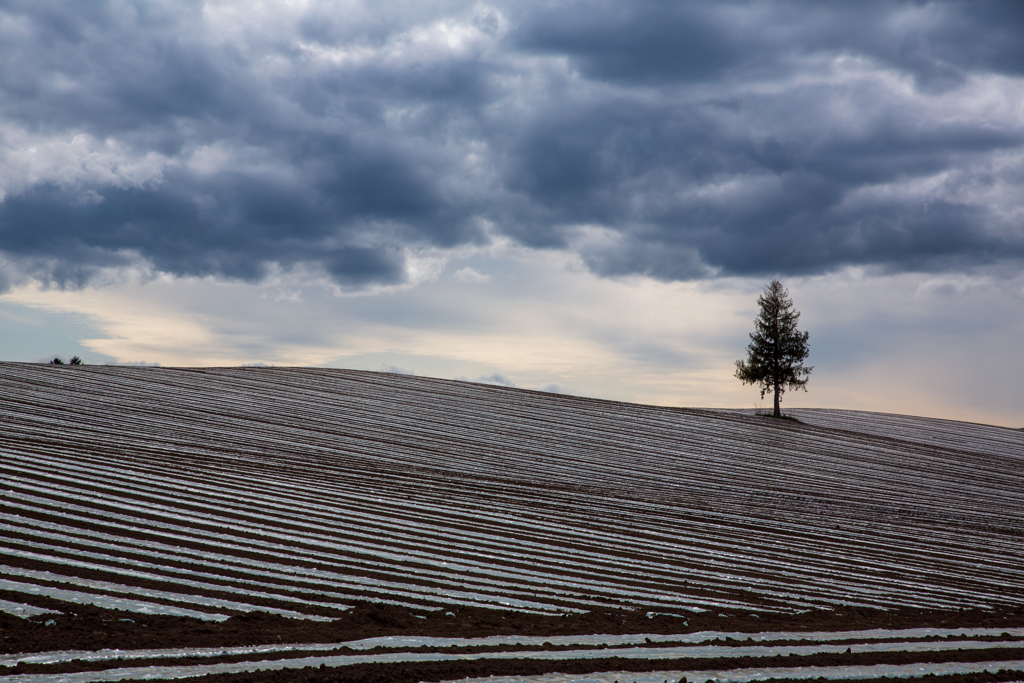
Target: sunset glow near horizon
[{"x": 580, "y": 197}]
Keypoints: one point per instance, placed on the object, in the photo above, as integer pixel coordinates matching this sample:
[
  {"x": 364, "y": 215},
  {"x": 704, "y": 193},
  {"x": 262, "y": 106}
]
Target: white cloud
[
  {"x": 394, "y": 369},
  {"x": 470, "y": 275},
  {"x": 75, "y": 160},
  {"x": 495, "y": 378},
  {"x": 552, "y": 388}
]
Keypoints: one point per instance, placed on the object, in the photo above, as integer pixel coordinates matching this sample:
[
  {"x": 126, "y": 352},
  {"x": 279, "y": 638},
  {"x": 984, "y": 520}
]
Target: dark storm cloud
[
  {"x": 655, "y": 41},
  {"x": 673, "y": 139},
  {"x": 642, "y": 41}
]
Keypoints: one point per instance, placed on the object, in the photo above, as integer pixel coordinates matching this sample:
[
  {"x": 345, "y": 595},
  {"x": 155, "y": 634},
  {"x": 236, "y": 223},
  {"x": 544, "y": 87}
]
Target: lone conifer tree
[{"x": 777, "y": 350}]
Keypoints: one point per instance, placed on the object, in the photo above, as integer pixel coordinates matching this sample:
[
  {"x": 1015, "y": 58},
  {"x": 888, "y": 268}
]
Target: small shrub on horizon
[{"x": 75, "y": 360}]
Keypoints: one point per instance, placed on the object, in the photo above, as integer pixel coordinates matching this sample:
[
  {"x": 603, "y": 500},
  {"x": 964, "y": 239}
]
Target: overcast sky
[{"x": 576, "y": 196}]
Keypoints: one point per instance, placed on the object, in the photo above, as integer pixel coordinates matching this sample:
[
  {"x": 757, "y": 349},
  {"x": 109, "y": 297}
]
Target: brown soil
[{"x": 88, "y": 627}]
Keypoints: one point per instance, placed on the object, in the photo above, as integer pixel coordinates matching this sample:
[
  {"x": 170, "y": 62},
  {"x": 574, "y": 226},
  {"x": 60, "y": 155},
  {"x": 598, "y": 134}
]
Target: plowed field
[{"x": 169, "y": 514}]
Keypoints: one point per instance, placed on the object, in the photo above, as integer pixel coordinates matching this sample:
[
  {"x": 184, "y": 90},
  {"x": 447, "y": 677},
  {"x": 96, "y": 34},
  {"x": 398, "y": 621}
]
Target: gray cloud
[
  {"x": 394, "y": 369},
  {"x": 495, "y": 378},
  {"x": 657, "y": 42},
  {"x": 676, "y": 140},
  {"x": 647, "y": 41}
]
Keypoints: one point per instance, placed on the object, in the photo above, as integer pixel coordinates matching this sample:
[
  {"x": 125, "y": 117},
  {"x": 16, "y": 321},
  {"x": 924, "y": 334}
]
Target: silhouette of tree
[{"x": 777, "y": 348}]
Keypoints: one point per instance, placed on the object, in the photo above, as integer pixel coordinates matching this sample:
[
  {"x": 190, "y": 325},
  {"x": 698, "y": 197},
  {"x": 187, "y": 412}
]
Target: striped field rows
[
  {"x": 211, "y": 493},
  {"x": 299, "y": 491}
]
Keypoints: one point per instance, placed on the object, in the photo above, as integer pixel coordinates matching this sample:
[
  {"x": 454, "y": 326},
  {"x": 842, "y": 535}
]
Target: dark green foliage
[
  {"x": 777, "y": 348},
  {"x": 75, "y": 360}
]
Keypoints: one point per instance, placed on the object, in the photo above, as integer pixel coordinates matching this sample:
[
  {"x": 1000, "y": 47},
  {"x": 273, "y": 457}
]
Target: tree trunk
[{"x": 778, "y": 411}]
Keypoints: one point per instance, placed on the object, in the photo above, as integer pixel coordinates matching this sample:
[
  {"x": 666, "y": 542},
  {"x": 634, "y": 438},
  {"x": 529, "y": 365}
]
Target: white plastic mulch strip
[
  {"x": 598, "y": 639},
  {"x": 128, "y": 604},
  {"x": 699, "y": 637},
  {"x": 170, "y": 653},
  {"x": 19, "y": 609},
  {"x": 832, "y": 673},
  {"x": 149, "y": 593},
  {"x": 171, "y": 672},
  {"x": 187, "y": 583},
  {"x": 395, "y": 657}
]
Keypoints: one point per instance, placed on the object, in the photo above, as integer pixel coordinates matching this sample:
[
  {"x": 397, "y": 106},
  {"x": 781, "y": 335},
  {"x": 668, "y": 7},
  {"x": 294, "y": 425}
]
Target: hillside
[{"x": 210, "y": 493}]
